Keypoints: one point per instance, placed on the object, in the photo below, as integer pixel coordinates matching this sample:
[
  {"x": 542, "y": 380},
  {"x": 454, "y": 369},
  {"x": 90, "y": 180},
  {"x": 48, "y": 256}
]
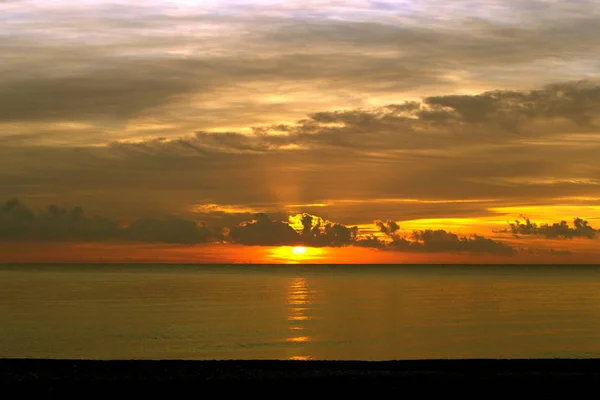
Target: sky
[{"x": 362, "y": 131}]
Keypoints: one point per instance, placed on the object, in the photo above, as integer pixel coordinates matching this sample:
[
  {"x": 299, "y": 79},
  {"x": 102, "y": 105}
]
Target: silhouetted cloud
[
  {"x": 433, "y": 241},
  {"x": 172, "y": 230},
  {"x": 442, "y": 241},
  {"x": 557, "y": 230},
  {"x": 18, "y": 222},
  {"x": 264, "y": 232},
  {"x": 317, "y": 232},
  {"x": 370, "y": 241},
  {"x": 537, "y": 252},
  {"x": 388, "y": 227}
]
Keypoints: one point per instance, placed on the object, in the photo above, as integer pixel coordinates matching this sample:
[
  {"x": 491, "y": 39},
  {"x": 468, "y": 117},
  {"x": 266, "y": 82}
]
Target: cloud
[
  {"x": 171, "y": 230},
  {"x": 318, "y": 232},
  {"x": 557, "y": 230},
  {"x": 387, "y": 228},
  {"x": 314, "y": 231},
  {"x": 218, "y": 68},
  {"x": 578, "y": 102},
  {"x": 397, "y": 151},
  {"x": 538, "y": 252},
  {"x": 442, "y": 241},
  {"x": 17, "y": 222},
  {"x": 434, "y": 241},
  {"x": 165, "y": 106},
  {"x": 434, "y": 123},
  {"x": 54, "y": 223},
  {"x": 263, "y": 231},
  {"x": 57, "y": 224}
]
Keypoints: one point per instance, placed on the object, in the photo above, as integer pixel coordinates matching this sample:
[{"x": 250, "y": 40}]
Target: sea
[{"x": 299, "y": 312}]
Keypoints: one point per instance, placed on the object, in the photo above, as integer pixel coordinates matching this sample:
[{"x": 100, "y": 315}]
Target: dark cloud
[
  {"x": 387, "y": 228},
  {"x": 575, "y": 101},
  {"x": 317, "y": 232},
  {"x": 442, "y": 241},
  {"x": 498, "y": 117},
  {"x": 19, "y": 223},
  {"x": 371, "y": 242},
  {"x": 538, "y": 252},
  {"x": 434, "y": 241},
  {"x": 557, "y": 230},
  {"x": 54, "y": 223},
  {"x": 262, "y": 231},
  {"x": 171, "y": 230}
]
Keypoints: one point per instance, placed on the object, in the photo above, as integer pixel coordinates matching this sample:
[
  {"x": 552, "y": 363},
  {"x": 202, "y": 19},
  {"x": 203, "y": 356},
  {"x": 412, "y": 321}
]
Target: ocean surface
[{"x": 338, "y": 312}]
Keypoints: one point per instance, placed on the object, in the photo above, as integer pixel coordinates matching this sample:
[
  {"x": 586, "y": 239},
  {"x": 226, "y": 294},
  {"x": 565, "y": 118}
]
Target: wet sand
[{"x": 467, "y": 378}]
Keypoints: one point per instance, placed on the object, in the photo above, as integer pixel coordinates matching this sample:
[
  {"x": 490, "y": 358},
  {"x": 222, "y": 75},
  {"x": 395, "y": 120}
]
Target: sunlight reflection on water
[{"x": 298, "y": 295}]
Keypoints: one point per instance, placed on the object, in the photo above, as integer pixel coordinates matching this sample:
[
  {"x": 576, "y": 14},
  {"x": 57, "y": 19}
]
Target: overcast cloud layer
[{"x": 467, "y": 112}]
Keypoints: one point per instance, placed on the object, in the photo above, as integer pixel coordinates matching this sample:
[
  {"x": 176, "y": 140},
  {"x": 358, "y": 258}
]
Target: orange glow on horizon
[
  {"x": 584, "y": 251},
  {"x": 296, "y": 254},
  {"x": 300, "y": 358}
]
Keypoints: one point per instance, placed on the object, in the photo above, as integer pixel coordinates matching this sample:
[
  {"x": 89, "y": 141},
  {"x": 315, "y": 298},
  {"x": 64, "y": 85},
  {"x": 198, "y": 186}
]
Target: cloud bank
[
  {"x": 19, "y": 223},
  {"x": 557, "y": 230},
  {"x": 57, "y": 224}
]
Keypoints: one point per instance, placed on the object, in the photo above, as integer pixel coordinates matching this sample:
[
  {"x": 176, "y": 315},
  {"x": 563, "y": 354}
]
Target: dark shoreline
[{"x": 479, "y": 378}]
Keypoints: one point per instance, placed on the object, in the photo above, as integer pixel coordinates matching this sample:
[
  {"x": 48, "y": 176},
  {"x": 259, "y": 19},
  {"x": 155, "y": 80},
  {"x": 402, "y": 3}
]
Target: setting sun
[
  {"x": 296, "y": 254},
  {"x": 299, "y": 250}
]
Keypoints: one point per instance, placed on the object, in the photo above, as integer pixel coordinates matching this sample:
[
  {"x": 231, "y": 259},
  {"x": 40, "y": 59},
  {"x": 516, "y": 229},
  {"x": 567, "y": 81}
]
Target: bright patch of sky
[{"x": 375, "y": 10}]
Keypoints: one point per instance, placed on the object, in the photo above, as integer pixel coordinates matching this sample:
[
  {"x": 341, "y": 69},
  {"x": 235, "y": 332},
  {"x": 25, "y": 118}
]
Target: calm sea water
[{"x": 299, "y": 312}]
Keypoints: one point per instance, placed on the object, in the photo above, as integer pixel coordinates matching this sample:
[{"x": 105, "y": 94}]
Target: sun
[
  {"x": 298, "y": 250},
  {"x": 296, "y": 254}
]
